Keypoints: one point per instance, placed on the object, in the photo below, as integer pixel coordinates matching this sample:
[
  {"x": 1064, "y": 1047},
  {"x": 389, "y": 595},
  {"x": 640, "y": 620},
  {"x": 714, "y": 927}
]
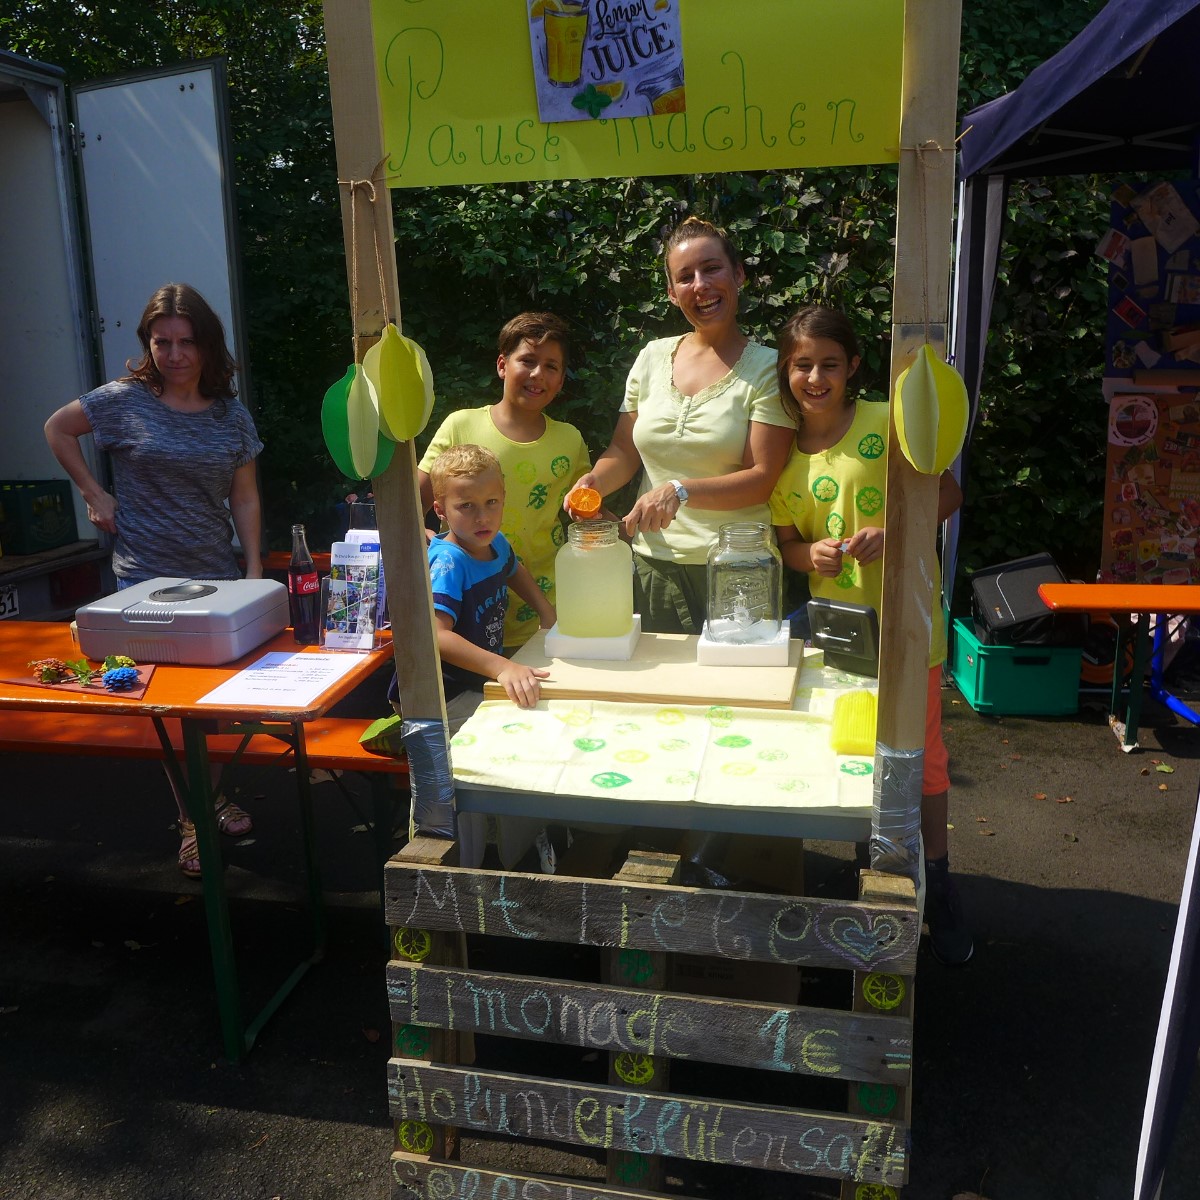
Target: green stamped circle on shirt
[
  {"x": 610, "y": 779},
  {"x": 825, "y": 488},
  {"x": 538, "y": 495},
  {"x": 545, "y": 585},
  {"x": 871, "y": 446},
  {"x": 869, "y": 501},
  {"x": 558, "y": 535},
  {"x": 560, "y": 465},
  {"x": 846, "y": 578},
  {"x": 733, "y": 741},
  {"x": 835, "y": 525},
  {"x": 525, "y": 472}
]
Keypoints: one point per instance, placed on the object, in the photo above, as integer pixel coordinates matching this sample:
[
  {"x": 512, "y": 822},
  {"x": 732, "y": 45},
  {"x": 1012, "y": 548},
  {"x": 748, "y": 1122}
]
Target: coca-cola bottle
[{"x": 304, "y": 592}]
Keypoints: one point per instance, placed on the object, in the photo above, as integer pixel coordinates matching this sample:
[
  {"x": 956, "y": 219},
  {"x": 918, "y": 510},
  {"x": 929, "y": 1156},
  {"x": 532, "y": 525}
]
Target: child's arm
[
  {"x": 820, "y": 558},
  {"x": 524, "y": 584},
  {"x": 519, "y": 682}
]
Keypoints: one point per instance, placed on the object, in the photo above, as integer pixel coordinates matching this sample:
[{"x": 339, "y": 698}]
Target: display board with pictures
[{"x": 1152, "y": 475}]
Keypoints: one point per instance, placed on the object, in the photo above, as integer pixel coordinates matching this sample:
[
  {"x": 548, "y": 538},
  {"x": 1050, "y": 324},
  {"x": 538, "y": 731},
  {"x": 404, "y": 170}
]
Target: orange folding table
[
  {"x": 1123, "y": 601},
  {"x": 175, "y": 692}
]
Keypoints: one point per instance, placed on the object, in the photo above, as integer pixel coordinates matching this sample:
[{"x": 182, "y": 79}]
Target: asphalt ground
[{"x": 1031, "y": 1062}]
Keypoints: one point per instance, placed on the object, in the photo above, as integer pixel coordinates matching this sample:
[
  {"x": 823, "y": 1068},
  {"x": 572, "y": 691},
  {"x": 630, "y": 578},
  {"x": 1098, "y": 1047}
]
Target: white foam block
[
  {"x": 614, "y": 649},
  {"x": 774, "y": 653}
]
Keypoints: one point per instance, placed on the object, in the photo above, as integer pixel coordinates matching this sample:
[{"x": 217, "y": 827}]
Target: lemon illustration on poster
[{"x": 599, "y": 58}]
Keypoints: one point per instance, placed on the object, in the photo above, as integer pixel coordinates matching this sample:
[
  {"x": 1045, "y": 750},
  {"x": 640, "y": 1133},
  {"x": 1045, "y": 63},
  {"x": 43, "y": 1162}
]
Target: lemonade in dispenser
[{"x": 593, "y": 579}]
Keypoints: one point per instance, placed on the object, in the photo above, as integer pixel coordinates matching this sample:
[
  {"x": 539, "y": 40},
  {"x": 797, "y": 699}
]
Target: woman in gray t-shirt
[{"x": 181, "y": 445}]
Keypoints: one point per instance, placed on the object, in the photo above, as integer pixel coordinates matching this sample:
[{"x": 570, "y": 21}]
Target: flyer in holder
[{"x": 351, "y": 608}]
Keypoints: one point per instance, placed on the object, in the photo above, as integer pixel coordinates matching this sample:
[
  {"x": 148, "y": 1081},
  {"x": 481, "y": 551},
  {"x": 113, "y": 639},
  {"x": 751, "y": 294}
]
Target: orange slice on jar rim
[{"x": 584, "y": 502}]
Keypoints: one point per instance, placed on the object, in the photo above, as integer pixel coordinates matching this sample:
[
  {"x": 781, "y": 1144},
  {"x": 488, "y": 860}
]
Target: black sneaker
[{"x": 949, "y": 938}]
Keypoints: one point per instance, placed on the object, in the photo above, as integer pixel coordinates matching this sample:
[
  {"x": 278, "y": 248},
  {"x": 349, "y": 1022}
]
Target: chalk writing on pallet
[
  {"x": 420, "y": 1179},
  {"x": 693, "y": 1128},
  {"x": 774, "y": 1037},
  {"x": 590, "y": 912}
]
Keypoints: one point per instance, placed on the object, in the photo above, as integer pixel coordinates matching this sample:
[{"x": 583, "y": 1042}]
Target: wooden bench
[{"x": 332, "y": 744}]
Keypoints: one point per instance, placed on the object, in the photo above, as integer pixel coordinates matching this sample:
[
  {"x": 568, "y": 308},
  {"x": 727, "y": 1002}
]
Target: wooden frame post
[
  {"x": 920, "y": 313},
  {"x": 367, "y": 230}
]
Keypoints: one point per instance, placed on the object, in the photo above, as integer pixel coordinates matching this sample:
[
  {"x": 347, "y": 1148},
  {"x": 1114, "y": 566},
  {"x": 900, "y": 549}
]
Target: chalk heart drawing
[{"x": 865, "y": 939}]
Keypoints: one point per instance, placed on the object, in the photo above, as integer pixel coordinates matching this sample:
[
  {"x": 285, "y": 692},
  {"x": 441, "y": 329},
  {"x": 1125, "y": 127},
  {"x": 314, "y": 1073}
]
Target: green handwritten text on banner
[{"x": 770, "y": 83}]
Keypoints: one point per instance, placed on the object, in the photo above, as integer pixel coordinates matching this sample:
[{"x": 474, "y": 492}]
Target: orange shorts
[{"x": 937, "y": 757}]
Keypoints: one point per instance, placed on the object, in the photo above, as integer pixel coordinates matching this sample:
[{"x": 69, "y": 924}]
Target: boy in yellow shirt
[{"x": 541, "y": 458}]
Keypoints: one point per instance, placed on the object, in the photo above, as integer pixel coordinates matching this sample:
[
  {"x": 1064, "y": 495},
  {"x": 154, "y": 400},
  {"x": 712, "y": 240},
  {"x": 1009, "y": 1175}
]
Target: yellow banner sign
[{"x": 769, "y": 84}]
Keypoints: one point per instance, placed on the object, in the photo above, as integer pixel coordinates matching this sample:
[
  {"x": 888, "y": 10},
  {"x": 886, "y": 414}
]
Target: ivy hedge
[{"x": 470, "y": 257}]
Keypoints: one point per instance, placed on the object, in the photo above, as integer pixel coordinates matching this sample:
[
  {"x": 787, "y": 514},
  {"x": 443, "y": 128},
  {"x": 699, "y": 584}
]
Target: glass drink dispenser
[{"x": 745, "y": 585}]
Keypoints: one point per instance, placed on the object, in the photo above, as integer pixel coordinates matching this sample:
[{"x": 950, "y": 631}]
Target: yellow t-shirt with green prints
[
  {"x": 837, "y": 492},
  {"x": 537, "y": 477}
]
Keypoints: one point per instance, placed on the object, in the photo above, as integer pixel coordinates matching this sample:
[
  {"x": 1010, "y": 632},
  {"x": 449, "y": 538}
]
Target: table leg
[
  {"x": 1141, "y": 657},
  {"x": 199, "y": 799}
]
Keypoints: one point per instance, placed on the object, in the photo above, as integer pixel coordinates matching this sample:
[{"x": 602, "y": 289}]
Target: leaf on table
[
  {"x": 1070, "y": 837},
  {"x": 1164, "y": 768},
  {"x": 1039, "y": 795},
  {"x": 1162, "y": 787},
  {"x": 1064, "y": 800}
]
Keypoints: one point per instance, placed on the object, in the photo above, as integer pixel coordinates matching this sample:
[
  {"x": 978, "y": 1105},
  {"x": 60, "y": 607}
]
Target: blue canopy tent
[{"x": 1120, "y": 99}]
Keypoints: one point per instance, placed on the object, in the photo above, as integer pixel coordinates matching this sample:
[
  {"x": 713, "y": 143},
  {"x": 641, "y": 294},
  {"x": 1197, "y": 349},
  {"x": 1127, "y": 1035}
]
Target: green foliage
[{"x": 471, "y": 257}]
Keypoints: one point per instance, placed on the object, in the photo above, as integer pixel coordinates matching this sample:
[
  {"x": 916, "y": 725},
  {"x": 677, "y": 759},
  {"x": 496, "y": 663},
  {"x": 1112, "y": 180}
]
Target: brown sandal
[
  {"x": 189, "y": 850},
  {"x": 229, "y": 814}
]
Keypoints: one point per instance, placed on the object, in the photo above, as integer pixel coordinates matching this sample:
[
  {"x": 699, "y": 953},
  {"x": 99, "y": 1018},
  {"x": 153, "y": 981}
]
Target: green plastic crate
[
  {"x": 1015, "y": 681},
  {"x": 36, "y": 515}
]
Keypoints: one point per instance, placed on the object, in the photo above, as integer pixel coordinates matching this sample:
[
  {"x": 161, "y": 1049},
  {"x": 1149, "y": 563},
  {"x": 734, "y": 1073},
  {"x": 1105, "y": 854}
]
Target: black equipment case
[{"x": 1009, "y": 612}]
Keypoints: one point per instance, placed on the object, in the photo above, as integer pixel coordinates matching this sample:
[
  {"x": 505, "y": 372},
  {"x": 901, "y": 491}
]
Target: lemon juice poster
[
  {"x": 478, "y": 92},
  {"x": 596, "y": 58}
]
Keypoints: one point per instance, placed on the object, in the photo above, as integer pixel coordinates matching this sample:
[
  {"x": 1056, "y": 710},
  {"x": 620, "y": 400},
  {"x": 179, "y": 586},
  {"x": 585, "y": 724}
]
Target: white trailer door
[{"x": 158, "y": 199}]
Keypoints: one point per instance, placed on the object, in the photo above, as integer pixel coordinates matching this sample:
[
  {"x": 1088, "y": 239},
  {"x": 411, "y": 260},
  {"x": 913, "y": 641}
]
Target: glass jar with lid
[
  {"x": 745, "y": 584},
  {"x": 593, "y": 581}
]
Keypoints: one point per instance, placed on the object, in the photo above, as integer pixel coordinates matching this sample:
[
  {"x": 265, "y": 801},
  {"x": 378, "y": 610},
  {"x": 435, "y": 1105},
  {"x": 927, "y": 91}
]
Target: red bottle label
[{"x": 303, "y": 585}]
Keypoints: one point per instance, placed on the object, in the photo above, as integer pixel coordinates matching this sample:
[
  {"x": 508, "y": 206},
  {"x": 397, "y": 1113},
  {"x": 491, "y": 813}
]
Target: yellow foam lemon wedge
[
  {"x": 362, "y": 416},
  {"x": 931, "y": 412},
  {"x": 854, "y": 719}
]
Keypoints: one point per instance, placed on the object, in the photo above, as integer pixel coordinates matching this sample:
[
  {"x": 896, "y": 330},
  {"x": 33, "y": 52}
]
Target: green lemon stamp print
[
  {"x": 587, "y": 745},
  {"x": 610, "y": 780},
  {"x": 517, "y": 727},
  {"x": 772, "y": 755},
  {"x": 415, "y": 1137},
  {"x": 733, "y": 741},
  {"x": 878, "y": 1099},
  {"x": 825, "y": 488},
  {"x": 671, "y": 745},
  {"x": 525, "y": 613},
  {"x": 875, "y": 1191},
  {"x": 463, "y": 739},
  {"x": 871, "y": 446},
  {"x": 835, "y": 525},
  {"x": 791, "y": 785},
  {"x": 560, "y": 466},
  {"x": 545, "y": 585},
  {"x": 634, "y": 1068},
  {"x": 412, "y": 945},
  {"x": 412, "y": 1041},
  {"x": 526, "y": 472},
  {"x": 575, "y": 718},
  {"x": 856, "y": 766},
  {"x": 538, "y": 494},
  {"x": 719, "y": 716},
  {"x": 845, "y": 578},
  {"x": 670, "y": 716},
  {"x": 682, "y": 778},
  {"x": 869, "y": 501},
  {"x": 558, "y": 535},
  {"x": 627, "y": 727}
]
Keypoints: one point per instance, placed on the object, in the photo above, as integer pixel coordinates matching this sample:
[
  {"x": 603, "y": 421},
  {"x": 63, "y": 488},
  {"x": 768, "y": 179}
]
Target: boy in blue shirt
[{"x": 471, "y": 568}]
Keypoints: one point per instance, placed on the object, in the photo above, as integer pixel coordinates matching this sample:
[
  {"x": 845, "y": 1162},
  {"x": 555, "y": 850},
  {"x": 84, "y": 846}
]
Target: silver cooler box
[{"x": 198, "y": 622}]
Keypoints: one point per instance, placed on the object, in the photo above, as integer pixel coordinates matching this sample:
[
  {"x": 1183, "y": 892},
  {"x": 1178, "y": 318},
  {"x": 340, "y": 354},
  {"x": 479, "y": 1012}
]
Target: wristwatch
[{"x": 681, "y": 493}]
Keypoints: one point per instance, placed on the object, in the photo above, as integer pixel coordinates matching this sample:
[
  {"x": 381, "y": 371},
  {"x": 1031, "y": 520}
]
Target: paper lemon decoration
[
  {"x": 931, "y": 412},
  {"x": 402, "y": 381},
  {"x": 372, "y": 457}
]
